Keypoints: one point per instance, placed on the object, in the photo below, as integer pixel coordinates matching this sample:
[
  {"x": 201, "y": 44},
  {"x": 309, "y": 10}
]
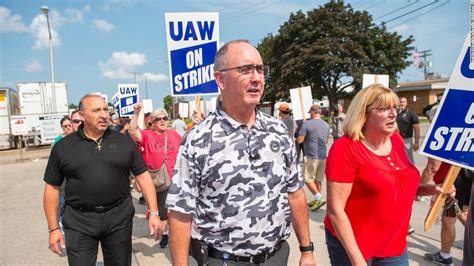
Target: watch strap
[
  {"x": 156, "y": 213},
  {"x": 307, "y": 248}
]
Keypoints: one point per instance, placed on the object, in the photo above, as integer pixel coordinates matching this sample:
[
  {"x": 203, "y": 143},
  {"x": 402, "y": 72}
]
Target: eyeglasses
[
  {"x": 163, "y": 118},
  {"x": 76, "y": 121},
  {"x": 248, "y": 69},
  {"x": 387, "y": 109},
  {"x": 67, "y": 125}
]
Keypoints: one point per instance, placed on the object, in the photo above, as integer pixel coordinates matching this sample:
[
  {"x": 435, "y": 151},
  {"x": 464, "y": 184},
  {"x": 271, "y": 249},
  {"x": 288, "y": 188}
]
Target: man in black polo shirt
[
  {"x": 96, "y": 163},
  {"x": 408, "y": 124}
]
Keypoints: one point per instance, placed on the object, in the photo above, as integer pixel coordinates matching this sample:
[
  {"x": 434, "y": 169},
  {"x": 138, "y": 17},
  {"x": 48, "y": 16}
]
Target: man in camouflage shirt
[{"x": 236, "y": 186}]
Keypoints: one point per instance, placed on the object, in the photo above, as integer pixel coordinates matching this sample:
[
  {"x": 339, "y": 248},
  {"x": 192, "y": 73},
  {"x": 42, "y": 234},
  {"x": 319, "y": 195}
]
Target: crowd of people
[{"x": 235, "y": 192}]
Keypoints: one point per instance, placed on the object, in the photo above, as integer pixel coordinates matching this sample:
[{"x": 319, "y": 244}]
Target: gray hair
[
  {"x": 219, "y": 60},
  {"x": 158, "y": 112}
]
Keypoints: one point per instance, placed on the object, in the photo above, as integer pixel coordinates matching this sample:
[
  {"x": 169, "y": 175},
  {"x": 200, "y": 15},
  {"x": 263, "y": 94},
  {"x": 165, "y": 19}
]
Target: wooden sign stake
[{"x": 441, "y": 198}]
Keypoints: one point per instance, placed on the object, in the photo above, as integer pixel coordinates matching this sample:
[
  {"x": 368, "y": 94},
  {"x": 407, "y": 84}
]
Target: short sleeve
[
  {"x": 303, "y": 129},
  {"x": 53, "y": 174},
  {"x": 340, "y": 164},
  {"x": 415, "y": 119},
  {"x": 138, "y": 164},
  {"x": 183, "y": 191},
  {"x": 145, "y": 136}
]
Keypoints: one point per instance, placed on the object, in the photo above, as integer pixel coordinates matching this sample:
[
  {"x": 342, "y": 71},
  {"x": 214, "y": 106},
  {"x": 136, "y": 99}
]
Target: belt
[
  {"x": 260, "y": 258},
  {"x": 98, "y": 208}
]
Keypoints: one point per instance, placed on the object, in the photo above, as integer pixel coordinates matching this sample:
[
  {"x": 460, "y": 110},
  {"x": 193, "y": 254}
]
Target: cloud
[
  {"x": 113, "y": 5},
  {"x": 103, "y": 25},
  {"x": 33, "y": 66},
  {"x": 39, "y": 26},
  {"x": 151, "y": 77},
  {"x": 11, "y": 23},
  {"x": 402, "y": 28},
  {"x": 39, "y": 29},
  {"x": 121, "y": 64},
  {"x": 73, "y": 15}
]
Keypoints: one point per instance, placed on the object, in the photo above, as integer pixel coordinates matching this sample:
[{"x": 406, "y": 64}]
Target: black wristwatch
[{"x": 307, "y": 248}]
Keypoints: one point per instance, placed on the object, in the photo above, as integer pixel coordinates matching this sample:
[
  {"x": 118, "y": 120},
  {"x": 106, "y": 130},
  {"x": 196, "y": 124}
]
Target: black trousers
[{"x": 113, "y": 229}]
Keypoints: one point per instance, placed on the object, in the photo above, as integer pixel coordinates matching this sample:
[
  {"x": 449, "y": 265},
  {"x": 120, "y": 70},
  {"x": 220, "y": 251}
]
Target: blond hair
[{"x": 373, "y": 95}]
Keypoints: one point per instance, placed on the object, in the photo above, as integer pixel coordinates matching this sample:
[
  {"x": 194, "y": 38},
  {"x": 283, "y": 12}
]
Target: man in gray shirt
[{"x": 314, "y": 135}]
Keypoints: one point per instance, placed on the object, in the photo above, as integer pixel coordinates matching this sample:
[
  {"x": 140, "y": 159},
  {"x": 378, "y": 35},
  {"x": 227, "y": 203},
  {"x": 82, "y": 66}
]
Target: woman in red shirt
[
  {"x": 371, "y": 185},
  {"x": 152, "y": 141}
]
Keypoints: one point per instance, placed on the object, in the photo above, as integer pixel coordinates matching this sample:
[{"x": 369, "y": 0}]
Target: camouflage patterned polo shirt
[{"x": 235, "y": 181}]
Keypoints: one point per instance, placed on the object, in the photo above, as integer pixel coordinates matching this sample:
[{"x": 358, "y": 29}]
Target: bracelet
[
  {"x": 52, "y": 230},
  {"x": 155, "y": 214}
]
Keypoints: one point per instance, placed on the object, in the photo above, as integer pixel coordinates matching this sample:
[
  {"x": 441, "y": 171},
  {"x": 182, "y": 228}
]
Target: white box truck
[
  {"x": 9, "y": 105},
  {"x": 40, "y": 98},
  {"x": 40, "y": 103}
]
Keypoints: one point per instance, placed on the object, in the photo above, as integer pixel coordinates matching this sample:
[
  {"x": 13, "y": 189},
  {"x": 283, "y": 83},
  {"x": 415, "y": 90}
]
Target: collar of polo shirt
[
  {"x": 229, "y": 125},
  {"x": 82, "y": 135}
]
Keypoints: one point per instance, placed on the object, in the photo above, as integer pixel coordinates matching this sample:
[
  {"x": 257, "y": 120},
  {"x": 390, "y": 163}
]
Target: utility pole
[
  {"x": 134, "y": 76},
  {"x": 424, "y": 54}
]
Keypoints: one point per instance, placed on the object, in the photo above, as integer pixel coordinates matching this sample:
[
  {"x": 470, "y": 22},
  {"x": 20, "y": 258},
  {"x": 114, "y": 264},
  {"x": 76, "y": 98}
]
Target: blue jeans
[
  {"x": 338, "y": 255},
  {"x": 62, "y": 202}
]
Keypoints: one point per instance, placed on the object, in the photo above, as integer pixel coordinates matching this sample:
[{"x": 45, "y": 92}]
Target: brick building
[{"x": 421, "y": 93}]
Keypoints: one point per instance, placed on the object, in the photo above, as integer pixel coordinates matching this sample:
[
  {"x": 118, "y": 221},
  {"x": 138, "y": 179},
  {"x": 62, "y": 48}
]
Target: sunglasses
[
  {"x": 65, "y": 126},
  {"x": 163, "y": 118},
  {"x": 76, "y": 121}
]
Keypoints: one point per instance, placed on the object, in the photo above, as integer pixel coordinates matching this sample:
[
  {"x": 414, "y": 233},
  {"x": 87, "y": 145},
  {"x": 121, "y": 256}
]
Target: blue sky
[{"x": 98, "y": 44}]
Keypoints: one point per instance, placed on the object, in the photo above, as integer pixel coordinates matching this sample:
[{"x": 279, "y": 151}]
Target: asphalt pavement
[{"x": 23, "y": 228}]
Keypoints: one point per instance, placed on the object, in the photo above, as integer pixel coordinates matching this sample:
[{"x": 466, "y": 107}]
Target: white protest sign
[
  {"x": 192, "y": 40},
  {"x": 369, "y": 79},
  {"x": 183, "y": 110},
  {"x": 147, "y": 105},
  {"x": 18, "y": 125},
  {"x": 301, "y": 100},
  {"x": 50, "y": 127},
  {"x": 193, "y": 107},
  {"x": 116, "y": 102},
  {"x": 451, "y": 133},
  {"x": 128, "y": 95},
  {"x": 210, "y": 105}
]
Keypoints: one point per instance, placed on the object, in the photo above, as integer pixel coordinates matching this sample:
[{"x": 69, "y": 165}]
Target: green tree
[
  {"x": 72, "y": 106},
  {"x": 330, "y": 48},
  {"x": 168, "y": 104}
]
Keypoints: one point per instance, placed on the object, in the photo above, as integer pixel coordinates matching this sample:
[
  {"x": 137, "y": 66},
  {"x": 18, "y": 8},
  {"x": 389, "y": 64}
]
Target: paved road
[{"x": 24, "y": 234}]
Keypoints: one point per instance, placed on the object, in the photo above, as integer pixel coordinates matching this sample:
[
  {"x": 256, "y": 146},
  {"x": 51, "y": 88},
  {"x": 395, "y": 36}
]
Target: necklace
[{"x": 98, "y": 141}]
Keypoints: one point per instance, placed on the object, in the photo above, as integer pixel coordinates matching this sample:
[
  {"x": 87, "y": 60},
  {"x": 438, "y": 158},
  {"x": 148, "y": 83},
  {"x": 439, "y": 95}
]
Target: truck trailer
[{"x": 9, "y": 105}]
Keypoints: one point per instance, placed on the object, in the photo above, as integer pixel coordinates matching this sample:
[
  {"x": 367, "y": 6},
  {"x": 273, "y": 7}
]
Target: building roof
[{"x": 422, "y": 85}]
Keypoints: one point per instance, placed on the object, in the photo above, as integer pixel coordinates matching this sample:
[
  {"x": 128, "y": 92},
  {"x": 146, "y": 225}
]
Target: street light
[{"x": 45, "y": 10}]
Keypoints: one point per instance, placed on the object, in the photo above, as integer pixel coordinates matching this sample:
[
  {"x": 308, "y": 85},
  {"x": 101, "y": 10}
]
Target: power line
[
  {"x": 422, "y": 14},
  {"x": 228, "y": 6},
  {"x": 240, "y": 13},
  {"x": 410, "y": 12},
  {"x": 243, "y": 10},
  {"x": 374, "y": 5},
  {"x": 360, "y": 4},
  {"x": 396, "y": 10}
]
